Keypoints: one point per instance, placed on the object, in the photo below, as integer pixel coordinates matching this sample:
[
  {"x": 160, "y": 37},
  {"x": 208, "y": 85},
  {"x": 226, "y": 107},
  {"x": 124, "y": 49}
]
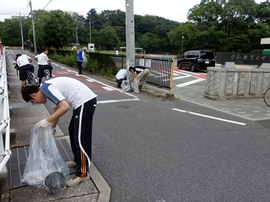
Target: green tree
[
  {"x": 53, "y": 29},
  {"x": 95, "y": 19},
  {"x": 106, "y": 38}
]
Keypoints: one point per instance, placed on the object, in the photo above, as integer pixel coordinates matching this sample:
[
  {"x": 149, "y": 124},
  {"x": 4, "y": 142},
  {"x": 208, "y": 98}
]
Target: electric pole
[
  {"x": 130, "y": 37},
  {"x": 33, "y": 25},
  {"x": 90, "y": 26},
  {"x": 21, "y": 31}
]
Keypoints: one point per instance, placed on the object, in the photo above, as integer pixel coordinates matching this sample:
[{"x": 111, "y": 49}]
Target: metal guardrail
[{"x": 5, "y": 152}]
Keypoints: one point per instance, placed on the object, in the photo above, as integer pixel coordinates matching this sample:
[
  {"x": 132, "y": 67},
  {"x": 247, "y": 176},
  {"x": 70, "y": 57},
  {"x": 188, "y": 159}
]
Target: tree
[
  {"x": 95, "y": 19},
  {"x": 54, "y": 29},
  {"x": 106, "y": 38},
  {"x": 10, "y": 32}
]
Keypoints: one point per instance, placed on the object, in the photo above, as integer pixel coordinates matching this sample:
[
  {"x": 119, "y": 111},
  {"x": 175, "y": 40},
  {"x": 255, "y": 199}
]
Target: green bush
[
  {"x": 257, "y": 51},
  {"x": 94, "y": 64}
]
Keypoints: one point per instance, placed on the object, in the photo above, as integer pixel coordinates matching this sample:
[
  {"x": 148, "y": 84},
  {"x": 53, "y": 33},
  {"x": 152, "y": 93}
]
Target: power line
[{"x": 12, "y": 11}]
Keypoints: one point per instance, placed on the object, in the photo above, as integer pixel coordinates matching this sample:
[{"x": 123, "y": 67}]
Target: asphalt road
[{"x": 154, "y": 150}]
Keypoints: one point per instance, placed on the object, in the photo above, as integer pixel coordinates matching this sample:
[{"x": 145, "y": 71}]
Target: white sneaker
[
  {"x": 77, "y": 180},
  {"x": 71, "y": 164}
]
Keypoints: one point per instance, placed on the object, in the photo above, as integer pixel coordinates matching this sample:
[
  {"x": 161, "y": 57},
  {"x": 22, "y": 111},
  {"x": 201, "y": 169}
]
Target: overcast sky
[{"x": 170, "y": 9}]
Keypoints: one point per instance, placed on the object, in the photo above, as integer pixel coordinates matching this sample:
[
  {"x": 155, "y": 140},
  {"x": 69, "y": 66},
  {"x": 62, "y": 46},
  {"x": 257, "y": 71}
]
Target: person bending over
[
  {"x": 23, "y": 61},
  {"x": 140, "y": 74},
  {"x": 66, "y": 93}
]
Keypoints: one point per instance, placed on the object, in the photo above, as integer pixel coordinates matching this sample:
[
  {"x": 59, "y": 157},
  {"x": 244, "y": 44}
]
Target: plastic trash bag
[
  {"x": 45, "y": 167},
  {"x": 127, "y": 85},
  {"x": 84, "y": 62}
]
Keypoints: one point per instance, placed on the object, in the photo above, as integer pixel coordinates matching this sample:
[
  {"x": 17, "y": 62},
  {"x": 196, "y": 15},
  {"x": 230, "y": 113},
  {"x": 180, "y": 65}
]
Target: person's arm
[
  {"x": 30, "y": 59},
  {"x": 135, "y": 75},
  {"x": 60, "y": 110},
  {"x": 54, "y": 122}
]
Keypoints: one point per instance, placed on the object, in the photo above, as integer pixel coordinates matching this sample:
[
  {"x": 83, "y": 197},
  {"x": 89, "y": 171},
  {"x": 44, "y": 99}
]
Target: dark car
[{"x": 196, "y": 60}]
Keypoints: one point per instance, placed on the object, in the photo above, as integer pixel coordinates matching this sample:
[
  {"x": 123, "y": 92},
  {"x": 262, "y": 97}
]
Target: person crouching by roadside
[
  {"x": 140, "y": 74},
  {"x": 43, "y": 59},
  {"x": 23, "y": 61},
  {"x": 121, "y": 76}
]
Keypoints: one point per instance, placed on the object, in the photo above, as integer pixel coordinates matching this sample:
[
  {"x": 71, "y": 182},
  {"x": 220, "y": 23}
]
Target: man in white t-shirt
[
  {"x": 66, "y": 93},
  {"x": 43, "y": 59},
  {"x": 121, "y": 76},
  {"x": 23, "y": 61}
]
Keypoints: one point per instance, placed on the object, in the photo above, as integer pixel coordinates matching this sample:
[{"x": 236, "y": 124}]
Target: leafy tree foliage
[
  {"x": 219, "y": 25},
  {"x": 10, "y": 31},
  {"x": 53, "y": 29}
]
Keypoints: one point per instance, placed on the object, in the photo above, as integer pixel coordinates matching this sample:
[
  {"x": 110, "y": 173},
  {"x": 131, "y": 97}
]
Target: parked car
[{"x": 196, "y": 60}]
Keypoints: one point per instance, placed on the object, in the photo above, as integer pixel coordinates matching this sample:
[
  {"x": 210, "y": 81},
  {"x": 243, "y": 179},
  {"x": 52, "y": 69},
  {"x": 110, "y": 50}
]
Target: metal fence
[
  {"x": 160, "y": 71},
  {"x": 5, "y": 151}
]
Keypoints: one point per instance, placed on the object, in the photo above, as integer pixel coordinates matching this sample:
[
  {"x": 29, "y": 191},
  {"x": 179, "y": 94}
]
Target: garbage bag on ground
[
  {"x": 127, "y": 85},
  {"x": 45, "y": 167}
]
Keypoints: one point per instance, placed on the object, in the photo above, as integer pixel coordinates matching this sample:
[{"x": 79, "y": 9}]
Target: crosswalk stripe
[
  {"x": 181, "y": 77},
  {"x": 190, "y": 82}
]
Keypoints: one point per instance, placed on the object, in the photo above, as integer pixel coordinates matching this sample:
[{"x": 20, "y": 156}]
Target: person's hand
[{"x": 43, "y": 124}]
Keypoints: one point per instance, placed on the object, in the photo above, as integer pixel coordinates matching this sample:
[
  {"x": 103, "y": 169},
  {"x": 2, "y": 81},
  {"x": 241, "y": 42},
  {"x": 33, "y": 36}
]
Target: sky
[{"x": 176, "y": 10}]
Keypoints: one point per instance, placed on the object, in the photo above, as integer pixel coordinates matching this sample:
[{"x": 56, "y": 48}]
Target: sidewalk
[{"x": 23, "y": 117}]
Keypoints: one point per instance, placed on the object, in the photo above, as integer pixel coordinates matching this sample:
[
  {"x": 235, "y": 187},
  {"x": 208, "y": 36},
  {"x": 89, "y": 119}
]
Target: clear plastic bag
[
  {"x": 84, "y": 62},
  {"x": 127, "y": 85},
  {"x": 45, "y": 167}
]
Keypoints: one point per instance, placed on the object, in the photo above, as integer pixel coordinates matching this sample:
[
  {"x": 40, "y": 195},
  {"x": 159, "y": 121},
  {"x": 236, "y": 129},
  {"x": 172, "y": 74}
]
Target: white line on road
[
  {"x": 113, "y": 101},
  {"x": 181, "y": 77},
  {"x": 210, "y": 117},
  {"x": 108, "y": 88},
  {"x": 190, "y": 82}
]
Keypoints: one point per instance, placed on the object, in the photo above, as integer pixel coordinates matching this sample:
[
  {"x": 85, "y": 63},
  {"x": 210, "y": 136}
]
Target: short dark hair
[
  {"x": 44, "y": 49},
  {"x": 131, "y": 68},
  {"x": 27, "y": 91},
  {"x": 18, "y": 55}
]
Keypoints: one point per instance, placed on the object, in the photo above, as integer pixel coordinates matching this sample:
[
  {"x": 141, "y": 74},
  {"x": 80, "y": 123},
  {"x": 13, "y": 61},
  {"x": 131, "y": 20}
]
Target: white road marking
[
  {"x": 181, "y": 77},
  {"x": 190, "y": 82},
  {"x": 113, "y": 101},
  {"x": 210, "y": 117},
  {"x": 108, "y": 88}
]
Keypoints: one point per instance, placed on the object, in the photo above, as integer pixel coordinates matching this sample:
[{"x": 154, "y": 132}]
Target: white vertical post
[
  {"x": 33, "y": 26},
  {"x": 130, "y": 36}
]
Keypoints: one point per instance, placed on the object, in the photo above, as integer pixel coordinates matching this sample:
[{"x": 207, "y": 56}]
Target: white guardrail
[{"x": 5, "y": 152}]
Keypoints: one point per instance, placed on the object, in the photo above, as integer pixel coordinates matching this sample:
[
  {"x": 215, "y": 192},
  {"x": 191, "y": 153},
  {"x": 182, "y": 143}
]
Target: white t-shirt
[
  {"x": 69, "y": 89},
  {"x": 121, "y": 74},
  {"x": 23, "y": 60},
  {"x": 42, "y": 59}
]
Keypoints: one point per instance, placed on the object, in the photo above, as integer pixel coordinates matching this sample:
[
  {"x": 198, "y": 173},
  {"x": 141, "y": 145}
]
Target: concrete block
[{"x": 265, "y": 66}]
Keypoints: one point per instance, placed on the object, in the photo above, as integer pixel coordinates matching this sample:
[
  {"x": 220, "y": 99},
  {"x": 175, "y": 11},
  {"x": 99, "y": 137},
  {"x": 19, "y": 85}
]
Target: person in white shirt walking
[
  {"x": 43, "y": 59},
  {"x": 23, "y": 61}
]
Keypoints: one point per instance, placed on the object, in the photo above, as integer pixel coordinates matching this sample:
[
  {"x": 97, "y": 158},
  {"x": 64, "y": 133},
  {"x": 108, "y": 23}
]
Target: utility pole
[
  {"x": 77, "y": 35},
  {"x": 33, "y": 25},
  {"x": 90, "y": 26},
  {"x": 21, "y": 31},
  {"x": 130, "y": 37}
]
